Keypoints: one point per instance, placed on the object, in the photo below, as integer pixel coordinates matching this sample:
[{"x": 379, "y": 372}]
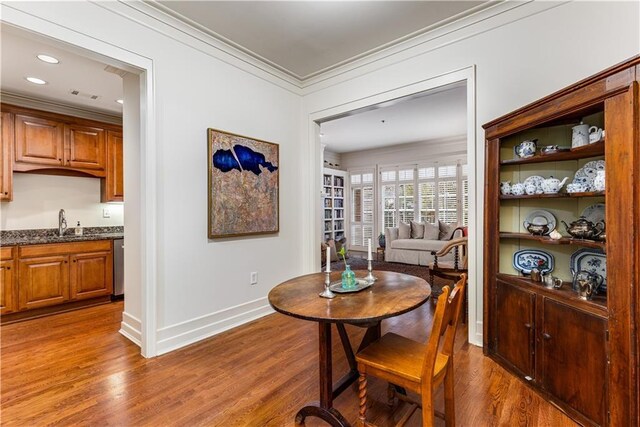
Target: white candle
[
  {"x": 370, "y": 259},
  {"x": 328, "y": 259}
]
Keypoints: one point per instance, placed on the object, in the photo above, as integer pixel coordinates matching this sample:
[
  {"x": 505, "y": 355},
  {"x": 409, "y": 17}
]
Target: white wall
[
  {"x": 416, "y": 152},
  {"x": 520, "y": 55},
  {"x": 38, "y": 198},
  {"x": 202, "y": 285}
]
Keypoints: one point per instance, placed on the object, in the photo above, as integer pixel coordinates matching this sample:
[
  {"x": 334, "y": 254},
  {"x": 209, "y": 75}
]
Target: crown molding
[
  {"x": 156, "y": 19},
  {"x": 57, "y": 107}
]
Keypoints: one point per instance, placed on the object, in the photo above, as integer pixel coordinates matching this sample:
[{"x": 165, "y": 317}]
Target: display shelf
[
  {"x": 334, "y": 198},
  {"x": 597, "y": 305},
  {"x": 552, "y": 196},
  {"x": 549, "y": 241},
  {"x": 592, "y": 150}
]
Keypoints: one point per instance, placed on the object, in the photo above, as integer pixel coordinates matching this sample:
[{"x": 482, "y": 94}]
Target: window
[
  {"x": 427, "y": 193},
  {"x": 362, "y": 205}
]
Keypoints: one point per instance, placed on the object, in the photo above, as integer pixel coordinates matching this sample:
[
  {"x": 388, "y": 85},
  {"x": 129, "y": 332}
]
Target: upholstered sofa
[{"x": 413, "y": 243}]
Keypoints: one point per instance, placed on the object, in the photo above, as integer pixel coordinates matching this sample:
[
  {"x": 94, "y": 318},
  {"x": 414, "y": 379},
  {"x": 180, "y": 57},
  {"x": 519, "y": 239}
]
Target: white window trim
[{"x": 361, "y": 170}]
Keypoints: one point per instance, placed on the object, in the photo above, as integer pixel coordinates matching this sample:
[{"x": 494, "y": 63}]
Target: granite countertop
[{"x": 50, "y": 235}]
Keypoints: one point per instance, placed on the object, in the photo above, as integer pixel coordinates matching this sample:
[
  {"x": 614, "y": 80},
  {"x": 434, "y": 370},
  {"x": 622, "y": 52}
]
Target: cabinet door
[
  {"x": 113, "y": 185},
  {"x": 91, "y": 275},
  {"x": 43, "y": 281},
  {"x": 574, "y": 358},
  {"x": 7, "y": 302},
  {"x": 87, "y": 148},
  {"x": 6, "y": 156},
  {"x": 38, "y": 141},
  {"x": 515, "y": 327}
]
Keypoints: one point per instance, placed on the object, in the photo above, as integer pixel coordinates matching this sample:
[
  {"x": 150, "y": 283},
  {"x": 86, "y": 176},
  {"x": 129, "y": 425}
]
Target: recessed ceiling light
[
  {"x": 48, "y": 59},
  {"x": 36, "y": 80},
  {"x": 120, "y": 101}
]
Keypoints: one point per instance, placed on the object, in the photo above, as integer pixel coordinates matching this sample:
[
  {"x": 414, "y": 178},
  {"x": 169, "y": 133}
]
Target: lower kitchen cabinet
[
  {"x": 7, "y": 281},
  {"x": 43, "y": 281},
  {"x": 59, "y": 273},
  {"x": 91, "y": 275}
]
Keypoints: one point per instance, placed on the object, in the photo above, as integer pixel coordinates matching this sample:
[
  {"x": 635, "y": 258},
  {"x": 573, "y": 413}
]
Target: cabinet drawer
[
  {"x": 64, "y": 248},
  {"x": 7, "y": 252}
]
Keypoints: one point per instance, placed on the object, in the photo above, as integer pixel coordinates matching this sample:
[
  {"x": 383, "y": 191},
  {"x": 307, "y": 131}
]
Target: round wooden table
[{"x": 391, "y": 295}]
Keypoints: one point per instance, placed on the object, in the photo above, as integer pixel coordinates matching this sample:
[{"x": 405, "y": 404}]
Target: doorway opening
[
  {"x": 138, "y": 213},
  {"x": 420, "y": 186}
]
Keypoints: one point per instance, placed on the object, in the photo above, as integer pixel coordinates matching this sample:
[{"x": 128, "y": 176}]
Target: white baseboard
[
  {"x": 131, "y": 328},
  {"x": 182, "y": 334},
  {"x": 477, "y": 338}
]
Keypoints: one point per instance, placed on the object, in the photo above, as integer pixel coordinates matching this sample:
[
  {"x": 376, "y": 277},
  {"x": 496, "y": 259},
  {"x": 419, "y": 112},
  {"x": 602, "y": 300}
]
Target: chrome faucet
[{"x": 62, "y": 223}]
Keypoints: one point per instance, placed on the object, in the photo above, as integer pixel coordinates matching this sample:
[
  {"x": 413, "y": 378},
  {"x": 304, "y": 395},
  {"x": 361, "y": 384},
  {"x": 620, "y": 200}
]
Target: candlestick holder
[
  {"x": 370, "y": 277},
  {"x": 327, "y": 292}
]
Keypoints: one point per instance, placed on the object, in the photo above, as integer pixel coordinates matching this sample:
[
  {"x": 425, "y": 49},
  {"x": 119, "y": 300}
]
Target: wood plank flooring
[{"x": 76, "y": 369}]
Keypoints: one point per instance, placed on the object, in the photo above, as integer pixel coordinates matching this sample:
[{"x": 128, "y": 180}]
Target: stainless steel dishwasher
[{"x": 118, "y": 269}]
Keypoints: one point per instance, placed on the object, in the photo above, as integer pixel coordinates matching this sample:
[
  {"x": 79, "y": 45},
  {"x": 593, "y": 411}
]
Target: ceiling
[
  {"x": 431, "y": 116},
  {"x": 18, "y": 51},
  {"x": 304, "y": 38}
]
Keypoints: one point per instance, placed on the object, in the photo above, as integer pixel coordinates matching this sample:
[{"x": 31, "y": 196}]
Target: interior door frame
[
  {"x": 143, "y": 330},
  {"x": 311, "y": 242}
]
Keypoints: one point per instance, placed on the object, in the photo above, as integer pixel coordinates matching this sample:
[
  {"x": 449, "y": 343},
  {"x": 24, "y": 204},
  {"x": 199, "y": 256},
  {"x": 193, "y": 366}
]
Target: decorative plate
[
  {"x": 337, "y": 286},
  {"x": 587, "y": 173},
  {"x": 526, "y": 259},
  {"x": 542, "y": 217},
  {"x": 594, "y": 213},
  {"x": 537, "y": 180},
  {"x": 592, "y": 260}
]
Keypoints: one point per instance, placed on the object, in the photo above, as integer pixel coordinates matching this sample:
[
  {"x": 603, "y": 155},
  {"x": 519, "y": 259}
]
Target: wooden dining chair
[
  {"x": 451, "y": 270},
  {"x": 415, "y": 366}
]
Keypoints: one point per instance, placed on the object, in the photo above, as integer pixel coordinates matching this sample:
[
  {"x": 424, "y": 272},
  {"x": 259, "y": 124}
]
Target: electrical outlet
[
  {"x": 253, "y": 279},
  {"x": 106, "y": 213}
]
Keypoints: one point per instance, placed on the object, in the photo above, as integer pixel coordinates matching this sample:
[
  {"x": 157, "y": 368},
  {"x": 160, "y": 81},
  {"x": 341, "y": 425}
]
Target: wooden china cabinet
[{"x": 580, "y": 354}]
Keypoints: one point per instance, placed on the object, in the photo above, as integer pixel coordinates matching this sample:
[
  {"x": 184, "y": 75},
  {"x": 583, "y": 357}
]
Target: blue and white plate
[
  {"x": 526, "y": 259},
  {"x": 591, "y": 260}
]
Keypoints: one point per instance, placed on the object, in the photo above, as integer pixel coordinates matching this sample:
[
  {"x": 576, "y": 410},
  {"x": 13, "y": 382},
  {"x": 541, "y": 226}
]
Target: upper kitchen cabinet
[
  {"x": 113, "y": 185},
  {"x": 34, "y": 140},
  {"x": 6, "y": 175},
  {"x": 61, "y": 144}
]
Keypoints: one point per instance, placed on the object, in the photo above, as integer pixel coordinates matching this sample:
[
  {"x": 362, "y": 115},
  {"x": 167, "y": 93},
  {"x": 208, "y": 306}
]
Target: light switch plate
[{"x": 106, "y": 213}]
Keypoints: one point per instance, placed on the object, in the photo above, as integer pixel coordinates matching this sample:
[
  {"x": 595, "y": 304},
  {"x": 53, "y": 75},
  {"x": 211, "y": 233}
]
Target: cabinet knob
[
  {"x": 527, "y": 325},
  {"x": 8, "y": 268},
  {"x": 546, "y": 336},
  {"x": 65, "y": 262},
  {"x": 74, "y": 260}
]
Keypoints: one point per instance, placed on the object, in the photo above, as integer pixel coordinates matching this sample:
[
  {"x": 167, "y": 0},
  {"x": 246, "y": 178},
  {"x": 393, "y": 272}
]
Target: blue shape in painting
[
  {"x": 249, "y": 159},
  {"x": 225, "y": 161}
]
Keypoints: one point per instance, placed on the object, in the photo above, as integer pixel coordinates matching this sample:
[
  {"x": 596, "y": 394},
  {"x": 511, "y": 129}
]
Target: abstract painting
[{"x": 243, "y": 185}]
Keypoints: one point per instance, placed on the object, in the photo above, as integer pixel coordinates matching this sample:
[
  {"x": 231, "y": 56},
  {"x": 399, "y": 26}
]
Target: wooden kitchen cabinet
[
  {"x": 573, "y": 358},
  {"x": 91, "y": 275},
  {"x": 87, "y": 147},
  {"x": 57, "y": 273},
  {"x": 7, "y": 280},
  {"x": 6, "y": 156},
  {"x": 56, "y": 143},
  {"x": 112, "y": 188},
  {"x": 516, "y": 338},
  {"x": 43, "y": 281}
]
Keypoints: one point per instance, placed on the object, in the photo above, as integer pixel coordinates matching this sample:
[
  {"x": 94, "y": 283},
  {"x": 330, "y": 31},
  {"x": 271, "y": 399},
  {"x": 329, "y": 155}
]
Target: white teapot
[{"x": 553, "y": 185}]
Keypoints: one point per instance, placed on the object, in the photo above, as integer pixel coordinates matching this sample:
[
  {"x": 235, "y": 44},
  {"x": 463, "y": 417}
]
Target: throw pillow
[
  {"x": 404, "y": 231},
  {"x": 334, "y": 253},
  {"x": 417, "y": 230},
  {"x": 446, "y": 230},
  {"x": 431, "y": 231}
]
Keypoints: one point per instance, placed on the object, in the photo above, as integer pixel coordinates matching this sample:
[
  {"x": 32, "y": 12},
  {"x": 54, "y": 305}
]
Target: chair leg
[
  {"x": 391, "y": 394},
  {"x": 449, "y": 404},
  {"x": 427, "y": 407},
  {"x": 362, "y": 394}
]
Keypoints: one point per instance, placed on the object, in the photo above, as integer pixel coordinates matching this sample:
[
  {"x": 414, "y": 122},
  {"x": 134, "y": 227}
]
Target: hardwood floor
[{"x": 76, "y": 369}]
